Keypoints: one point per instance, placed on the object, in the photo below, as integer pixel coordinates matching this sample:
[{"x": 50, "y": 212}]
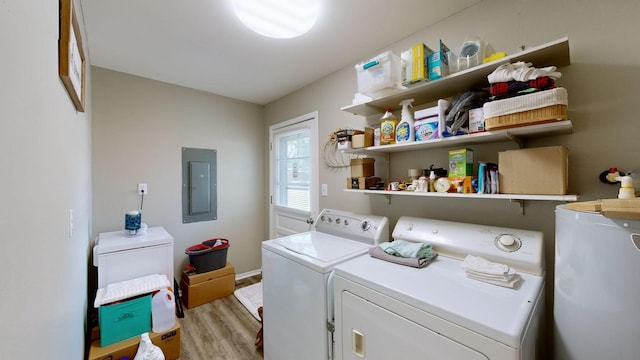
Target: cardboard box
[
  {"x": 415, "y": 64},
  {"x": 198, "y": 289},
  {"x": 438, "y": 62},
  {"x": 363, "y": 167},
  {"x": 362, "y": 140},
  {"x": 460, "y": 163},
  {"x": 362, "y": 183},
  {"x": 476, "y": 120},
  {"x": 125, "y": 319},
  {"x": 537, "y": 171},
  {"x": 168, "y": 341}
]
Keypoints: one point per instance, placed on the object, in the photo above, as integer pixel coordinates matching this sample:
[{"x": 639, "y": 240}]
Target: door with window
[{"x": 293, "y": 175}]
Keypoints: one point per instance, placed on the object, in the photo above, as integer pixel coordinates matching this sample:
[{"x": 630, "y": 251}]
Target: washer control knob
[
  {"x": 338, "y": 220},
  {"x": 365, "y": 225},
  {"x": 346, "y": 222},
  {"x": 506, "y": 239}
]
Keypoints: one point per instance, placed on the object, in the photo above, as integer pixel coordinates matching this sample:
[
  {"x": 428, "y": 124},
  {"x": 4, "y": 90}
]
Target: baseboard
[{"x": 248, "y": 274}]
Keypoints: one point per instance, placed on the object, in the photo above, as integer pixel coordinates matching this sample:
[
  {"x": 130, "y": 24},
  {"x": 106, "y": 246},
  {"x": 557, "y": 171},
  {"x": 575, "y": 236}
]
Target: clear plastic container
[
  {"x": 163, "y": 311},
  {"x": 380, "y": 75}
]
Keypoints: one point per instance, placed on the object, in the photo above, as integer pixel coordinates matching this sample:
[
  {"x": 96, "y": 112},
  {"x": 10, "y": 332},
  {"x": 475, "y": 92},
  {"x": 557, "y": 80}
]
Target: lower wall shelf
[{"x": 470, "y": 196}]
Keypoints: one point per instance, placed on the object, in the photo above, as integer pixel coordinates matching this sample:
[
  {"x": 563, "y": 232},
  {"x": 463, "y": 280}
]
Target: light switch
[{"x": 325, "y": 190}]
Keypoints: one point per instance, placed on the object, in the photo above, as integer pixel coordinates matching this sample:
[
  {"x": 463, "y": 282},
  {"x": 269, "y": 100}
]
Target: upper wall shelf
[{"x": 555, "y": 53}]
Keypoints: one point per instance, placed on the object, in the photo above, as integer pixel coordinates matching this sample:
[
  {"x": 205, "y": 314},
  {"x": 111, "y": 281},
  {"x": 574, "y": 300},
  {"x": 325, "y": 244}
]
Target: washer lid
[
  {"x": 118, "y": 241},
  {"x": 316, "y": 249},
  {"x": 442, "y": 289}
]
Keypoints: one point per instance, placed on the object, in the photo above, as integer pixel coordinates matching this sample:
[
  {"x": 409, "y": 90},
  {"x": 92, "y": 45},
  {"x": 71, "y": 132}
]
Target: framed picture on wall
[{"x": 71, "y": 64}]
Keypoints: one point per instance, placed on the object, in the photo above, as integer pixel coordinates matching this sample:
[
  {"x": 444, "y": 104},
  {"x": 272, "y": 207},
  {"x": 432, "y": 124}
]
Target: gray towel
[{"x": 421, "y": 262}]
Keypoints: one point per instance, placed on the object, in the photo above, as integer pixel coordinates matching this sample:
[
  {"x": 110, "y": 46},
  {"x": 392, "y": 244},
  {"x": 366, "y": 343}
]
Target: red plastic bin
[{"x": 209, "y": 255}]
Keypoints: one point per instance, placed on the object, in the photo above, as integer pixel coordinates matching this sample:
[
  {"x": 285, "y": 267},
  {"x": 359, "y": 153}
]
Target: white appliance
[
  {"x": 296, "y": 281},
  {"x": 390, "y": 311},
  {"x": 596, "y": 288},
  {"x": 121, "y": 257}
]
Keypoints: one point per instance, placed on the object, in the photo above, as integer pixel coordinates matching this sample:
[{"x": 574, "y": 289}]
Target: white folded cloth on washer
[
  {"x": 481, "y": 269},
  {"x": 521, "y": 71}
]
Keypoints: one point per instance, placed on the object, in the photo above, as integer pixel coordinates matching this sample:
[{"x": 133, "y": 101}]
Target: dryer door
[{"x": 366, "y": 334}]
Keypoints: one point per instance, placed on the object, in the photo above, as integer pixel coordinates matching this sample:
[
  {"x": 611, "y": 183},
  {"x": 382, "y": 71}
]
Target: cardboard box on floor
[
  {"x": 168, "y": 341},
  {"x": 198, "y": 289},
  {"x": 539, "y": 171}
]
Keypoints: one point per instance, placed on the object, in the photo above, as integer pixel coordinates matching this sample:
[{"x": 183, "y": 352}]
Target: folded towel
[
  {"x": 510, "y": 283},
  {"x": 378, "y": 253},
  {"x": 521, "y": 71},
  {"x": 482, "y": 265},
  {"x": 513, "y": 87},
  {"x": 407, "y": 249},
  {"x": 481, "y": 269}
]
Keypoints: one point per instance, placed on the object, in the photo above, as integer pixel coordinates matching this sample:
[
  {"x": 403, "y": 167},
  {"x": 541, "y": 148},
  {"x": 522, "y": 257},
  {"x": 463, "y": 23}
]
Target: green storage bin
[{"x": 125, "y": 319}]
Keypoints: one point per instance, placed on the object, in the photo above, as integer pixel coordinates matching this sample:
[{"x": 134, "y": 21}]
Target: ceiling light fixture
[{"x": 280, "y": 19}]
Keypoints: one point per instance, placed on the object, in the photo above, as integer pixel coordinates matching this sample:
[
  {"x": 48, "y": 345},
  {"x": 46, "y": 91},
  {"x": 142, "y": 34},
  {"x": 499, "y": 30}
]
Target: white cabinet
[{"x": 554, "y": 53}]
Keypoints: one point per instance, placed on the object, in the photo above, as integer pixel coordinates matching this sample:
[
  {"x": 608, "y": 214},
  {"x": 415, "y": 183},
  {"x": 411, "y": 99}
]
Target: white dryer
[
  {"x": 297, "y": 271},
  {"x": 389, "y": 311}
]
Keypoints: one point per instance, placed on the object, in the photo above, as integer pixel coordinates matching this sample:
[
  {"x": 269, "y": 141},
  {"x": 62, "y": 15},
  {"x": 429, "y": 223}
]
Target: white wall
[
  {"x": 603, "y": 88},
  {"x": 45, "y": 172},
  {"x": 139, "y": 129}
]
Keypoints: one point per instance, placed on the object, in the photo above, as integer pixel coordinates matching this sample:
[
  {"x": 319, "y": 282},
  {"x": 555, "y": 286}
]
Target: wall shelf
[
  {"x": 514, "y": 134},
  {"x": 555, "y": 53},
  {"x": 470, "y": 196}
]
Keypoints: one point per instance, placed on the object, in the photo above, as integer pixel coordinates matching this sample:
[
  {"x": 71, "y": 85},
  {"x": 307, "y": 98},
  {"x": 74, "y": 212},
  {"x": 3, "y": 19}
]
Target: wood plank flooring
[{"x": 220, "y": 330}]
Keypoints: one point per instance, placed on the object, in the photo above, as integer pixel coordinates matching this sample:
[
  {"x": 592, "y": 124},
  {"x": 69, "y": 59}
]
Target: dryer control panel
[
  {"x": 369, "y": 229},
  {"x": 520, "y": 249}
]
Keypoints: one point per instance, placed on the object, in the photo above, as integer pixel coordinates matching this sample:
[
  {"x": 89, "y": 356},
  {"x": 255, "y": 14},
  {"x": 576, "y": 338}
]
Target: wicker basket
[{"x": 537, "y": 116}]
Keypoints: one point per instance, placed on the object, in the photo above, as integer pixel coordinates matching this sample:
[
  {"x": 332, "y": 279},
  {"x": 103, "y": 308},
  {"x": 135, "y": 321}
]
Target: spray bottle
[
  {"x": 147, "y": 350},
  {"x": 405, "y": 132}
]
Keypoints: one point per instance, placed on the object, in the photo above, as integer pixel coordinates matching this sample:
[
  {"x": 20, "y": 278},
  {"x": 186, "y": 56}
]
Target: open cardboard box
[{"x": 168, "y": 341}]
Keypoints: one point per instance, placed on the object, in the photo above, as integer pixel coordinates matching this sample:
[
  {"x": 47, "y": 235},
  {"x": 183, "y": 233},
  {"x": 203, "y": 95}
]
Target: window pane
[{"x": 292, "y": 159}]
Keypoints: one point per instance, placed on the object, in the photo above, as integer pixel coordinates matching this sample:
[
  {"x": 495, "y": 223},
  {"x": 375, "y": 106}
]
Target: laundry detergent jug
[{"x": 163, "y": 311}]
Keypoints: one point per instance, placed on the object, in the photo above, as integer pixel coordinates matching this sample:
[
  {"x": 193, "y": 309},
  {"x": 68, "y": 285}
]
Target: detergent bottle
[
  {"x": 405, "y": 132},
  {"x": 148, "y": 351},
  {"x": 388, "y": 124}
]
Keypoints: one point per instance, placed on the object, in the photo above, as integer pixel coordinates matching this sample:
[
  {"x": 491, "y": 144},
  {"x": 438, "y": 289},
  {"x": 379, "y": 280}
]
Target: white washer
[
  {"x": 296, "y": 281},
  {"x": 390, "y": 311},
  {"x": 121, "y": 257}
]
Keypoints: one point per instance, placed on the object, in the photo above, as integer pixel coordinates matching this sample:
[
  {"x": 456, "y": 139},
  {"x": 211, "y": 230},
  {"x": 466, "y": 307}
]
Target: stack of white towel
[{"x": 479, "y": 268}]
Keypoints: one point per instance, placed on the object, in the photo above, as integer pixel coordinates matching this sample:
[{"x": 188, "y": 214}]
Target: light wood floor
[{"x": 220, "y": 330}]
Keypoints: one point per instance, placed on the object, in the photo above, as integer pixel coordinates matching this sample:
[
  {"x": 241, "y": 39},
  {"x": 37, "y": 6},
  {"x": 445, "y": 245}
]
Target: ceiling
[{"x": 200, "y": 44}]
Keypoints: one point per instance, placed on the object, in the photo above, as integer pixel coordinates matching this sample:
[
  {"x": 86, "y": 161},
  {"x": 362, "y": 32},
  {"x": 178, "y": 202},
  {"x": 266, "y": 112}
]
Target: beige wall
[
  {"x": 603, "y": 88},
  {"x": 140, "y": 127},
  {"x": 45, "y": 172},
  {"x": 48, "y": 168}
]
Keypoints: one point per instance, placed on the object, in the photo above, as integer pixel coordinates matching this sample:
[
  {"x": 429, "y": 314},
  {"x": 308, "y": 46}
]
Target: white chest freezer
[{"x": 121, "y": 257}]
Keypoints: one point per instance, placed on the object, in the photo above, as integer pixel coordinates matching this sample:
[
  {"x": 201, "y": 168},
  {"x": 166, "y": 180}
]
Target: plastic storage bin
[
  {"x": 209, "y": 255},
  {"x": 380, "y": 75}
]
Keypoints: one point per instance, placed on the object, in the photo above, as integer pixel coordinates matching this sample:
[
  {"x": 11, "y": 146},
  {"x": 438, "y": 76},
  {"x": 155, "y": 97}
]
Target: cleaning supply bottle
[
  {"x": 147, "y": 350},
  {"x": 405, "y": 132},
  {"x": 388, "y": 124},
  {"x": 432, "y": 181}
]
